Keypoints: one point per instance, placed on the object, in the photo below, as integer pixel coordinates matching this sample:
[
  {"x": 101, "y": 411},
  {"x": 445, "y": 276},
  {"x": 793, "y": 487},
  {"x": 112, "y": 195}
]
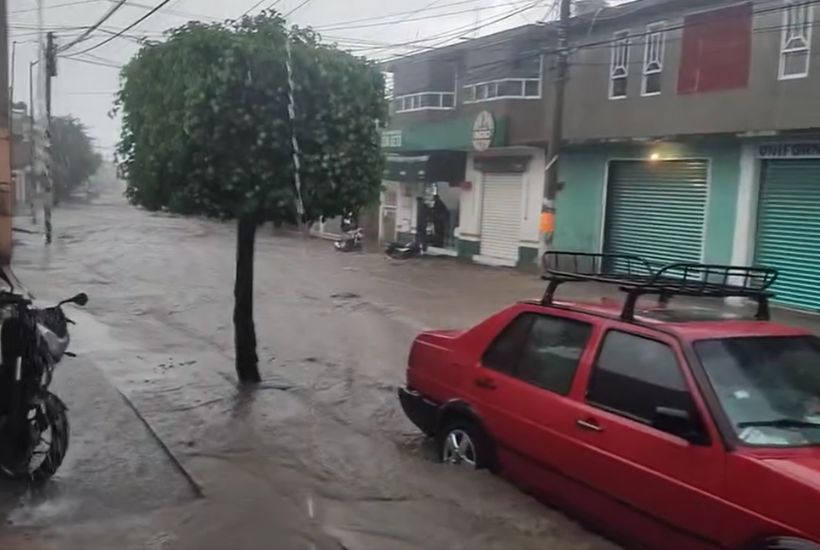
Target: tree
[
  {"x": 73, "y": 157},
  {"x": 206, "y": 131}
]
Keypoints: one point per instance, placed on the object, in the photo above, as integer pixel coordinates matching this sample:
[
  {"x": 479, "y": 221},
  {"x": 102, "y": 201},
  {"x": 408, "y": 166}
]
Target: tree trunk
[{"x": 247, "y": 362}]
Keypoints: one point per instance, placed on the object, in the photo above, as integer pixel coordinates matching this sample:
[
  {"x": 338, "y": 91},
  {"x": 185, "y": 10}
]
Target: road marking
[{"x": 310, "y": 507}]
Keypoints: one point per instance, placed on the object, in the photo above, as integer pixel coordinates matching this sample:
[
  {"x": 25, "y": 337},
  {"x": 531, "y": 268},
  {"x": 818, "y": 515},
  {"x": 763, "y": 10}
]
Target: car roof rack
[{"x": 639, "y": 277}]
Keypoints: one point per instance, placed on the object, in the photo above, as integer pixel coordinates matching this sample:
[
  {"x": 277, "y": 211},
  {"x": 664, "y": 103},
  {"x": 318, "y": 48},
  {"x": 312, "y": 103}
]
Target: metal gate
[
  {"x": 501, "y": 217},
  {"x": 788, "y": 229},
  {"x": 657, "y": 209}
]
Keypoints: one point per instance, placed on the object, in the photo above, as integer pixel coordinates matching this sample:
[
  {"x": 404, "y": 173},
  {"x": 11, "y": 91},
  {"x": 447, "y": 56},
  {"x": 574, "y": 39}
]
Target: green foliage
[
  {"x": 73, "y": 156},
  {"x": 206, "y": 128}
]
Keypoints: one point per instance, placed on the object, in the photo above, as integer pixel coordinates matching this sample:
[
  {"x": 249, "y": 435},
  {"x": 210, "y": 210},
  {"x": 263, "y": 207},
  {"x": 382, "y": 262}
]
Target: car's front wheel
[{"x": 463, "y": 443}]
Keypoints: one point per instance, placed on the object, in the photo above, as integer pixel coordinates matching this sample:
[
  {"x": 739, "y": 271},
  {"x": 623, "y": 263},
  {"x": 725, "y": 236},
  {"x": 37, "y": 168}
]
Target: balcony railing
[
  {"x": 425, "y": 101},
  {"x": 505, "y": 88}
]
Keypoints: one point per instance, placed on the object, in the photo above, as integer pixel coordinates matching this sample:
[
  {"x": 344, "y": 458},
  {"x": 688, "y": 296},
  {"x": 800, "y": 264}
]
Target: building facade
[
  {"x": 692, "y": 135},
  {"x": 465, "y": 165}
]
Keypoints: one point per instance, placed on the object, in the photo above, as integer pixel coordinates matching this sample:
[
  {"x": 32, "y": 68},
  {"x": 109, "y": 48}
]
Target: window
[
  {"x": 424, "y": 101},
  {"x": 550, "y": 356},
  {"x": 619, "y": 69},
  {"x": 503, "y": 353},
  {"x": 635, "y": 375},
  {"x": 540, "y": 350},
  {"x": 716, "y": 50},
  {"x": 795, "y": 48},
  {"x": 532, "y": 88},
  {"x": 505, "y": 88},
  {"x": 653, "y": 59},
  {"x": 768, "y": 387}
]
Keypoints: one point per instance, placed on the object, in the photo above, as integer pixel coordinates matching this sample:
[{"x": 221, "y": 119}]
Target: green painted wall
[
  {"x": 454, "y": 134},
  {"x": 527, "y": 258},
  {"x": 468, "y": 249},
  {"x": 580, "y": 204}
]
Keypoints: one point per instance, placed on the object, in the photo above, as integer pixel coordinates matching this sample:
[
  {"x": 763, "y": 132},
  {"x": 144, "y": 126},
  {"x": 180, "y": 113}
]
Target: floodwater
[{"x": 167, "y": 452}]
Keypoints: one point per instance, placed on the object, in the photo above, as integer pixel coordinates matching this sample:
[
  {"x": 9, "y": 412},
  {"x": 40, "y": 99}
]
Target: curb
[{"x": 195, "y": 485}]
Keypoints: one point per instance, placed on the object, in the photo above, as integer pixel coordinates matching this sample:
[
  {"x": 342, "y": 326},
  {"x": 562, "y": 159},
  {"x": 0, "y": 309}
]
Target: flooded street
[{"x": 168, "y": 453}]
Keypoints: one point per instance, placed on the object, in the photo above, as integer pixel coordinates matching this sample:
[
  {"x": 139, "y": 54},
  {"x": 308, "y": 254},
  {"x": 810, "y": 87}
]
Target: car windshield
[{"x": 769, "y": 387}]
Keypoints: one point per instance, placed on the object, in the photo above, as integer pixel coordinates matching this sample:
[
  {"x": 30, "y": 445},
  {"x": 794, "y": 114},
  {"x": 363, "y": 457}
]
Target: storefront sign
[
  {"x": 483, "y": 131},
  {"x": 391, "y": 139},
  {"x": 795, "y": 150}
]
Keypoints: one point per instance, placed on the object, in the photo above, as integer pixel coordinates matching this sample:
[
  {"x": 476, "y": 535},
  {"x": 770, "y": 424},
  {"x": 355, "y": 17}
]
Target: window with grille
[
  {"x": 795, "y": 48},
  {"x": 619, "y": 69},
  {"x": 653, "y": 59}
]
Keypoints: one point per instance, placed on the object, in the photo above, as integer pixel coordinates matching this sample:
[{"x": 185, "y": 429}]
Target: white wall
[
  {"x": 470, "y": 221},
  {"x": 532, "y": 194},
  {"x": 533, "y": 183}
]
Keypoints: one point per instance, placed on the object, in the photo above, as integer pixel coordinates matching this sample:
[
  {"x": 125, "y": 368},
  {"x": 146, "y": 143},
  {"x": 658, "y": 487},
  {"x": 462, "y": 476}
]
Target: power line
[
  {"x": 128, "y": 28},
  {"x": 458, "y": 32},
  {"x": 410, "y": 18},
  {"x": 91, "y": 62},
  {"x": 256, "y": 5},
  {"x": 386, "y": 16},
  {"x": 55, "y": 6},
  {"x": 605, "y": 43},
  {"x": 297, "y": 8},
  {"x": 169, "y": 11},
  {"x": 99, "y": 22}
]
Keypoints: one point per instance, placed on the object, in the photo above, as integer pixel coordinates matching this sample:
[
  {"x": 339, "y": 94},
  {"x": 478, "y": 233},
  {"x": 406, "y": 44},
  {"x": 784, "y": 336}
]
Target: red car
[{"x": 667, "y": 428}]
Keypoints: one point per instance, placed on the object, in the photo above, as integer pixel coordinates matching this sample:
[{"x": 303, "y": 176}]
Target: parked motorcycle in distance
[
  {"x": 404, "y": 251},
  {"x": 34, "y": 430},
  {"x": 350, "y": 241}
]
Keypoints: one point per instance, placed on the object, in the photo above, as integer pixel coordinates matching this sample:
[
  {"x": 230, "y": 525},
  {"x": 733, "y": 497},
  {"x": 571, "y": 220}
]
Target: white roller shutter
[{"x": 501, "y": 218}]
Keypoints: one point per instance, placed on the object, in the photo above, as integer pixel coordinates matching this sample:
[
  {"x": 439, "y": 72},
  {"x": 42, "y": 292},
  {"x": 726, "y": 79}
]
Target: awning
[{"x": 436, "y": 166}]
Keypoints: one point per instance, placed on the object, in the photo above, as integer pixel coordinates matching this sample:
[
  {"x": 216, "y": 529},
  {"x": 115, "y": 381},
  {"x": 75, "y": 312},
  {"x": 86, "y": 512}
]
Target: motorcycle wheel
[{"x": 47, "y": 456}]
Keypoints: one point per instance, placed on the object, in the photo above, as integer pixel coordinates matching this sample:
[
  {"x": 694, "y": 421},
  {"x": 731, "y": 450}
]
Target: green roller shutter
[
  {"x": 656, "y": 210},
  {"x": 788, "y": 229}
]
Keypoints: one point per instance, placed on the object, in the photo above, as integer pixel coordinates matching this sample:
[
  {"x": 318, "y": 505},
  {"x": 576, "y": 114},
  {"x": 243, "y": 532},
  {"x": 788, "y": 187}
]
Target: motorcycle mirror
[{"x": 80, "y": 299}]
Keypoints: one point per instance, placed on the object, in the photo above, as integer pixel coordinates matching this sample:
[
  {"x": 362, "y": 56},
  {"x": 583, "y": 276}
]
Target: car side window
[
  {"x": 633, "y": 376},
  {"x": 552, "y": 351},
  {"x": 503, "y": 353}
]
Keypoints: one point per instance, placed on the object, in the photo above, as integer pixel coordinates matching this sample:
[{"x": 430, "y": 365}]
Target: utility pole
[
  {"x": 5, "y": 142},
  {"x": 31, "y": 180},
  {"x": 48, "y": 184},
  {"x": 551, "y": 183}
]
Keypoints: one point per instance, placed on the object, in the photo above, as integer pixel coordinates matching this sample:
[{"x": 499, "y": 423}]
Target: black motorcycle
[
  {"x": 33, "y": 423},
  {"x": 350, "y": 241},
  {"x": 404, "y": 251}
]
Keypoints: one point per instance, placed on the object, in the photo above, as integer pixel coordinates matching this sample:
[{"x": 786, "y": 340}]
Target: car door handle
[
  {"x": 589, "y": 425},
  {"x": 485, "y": 383}
]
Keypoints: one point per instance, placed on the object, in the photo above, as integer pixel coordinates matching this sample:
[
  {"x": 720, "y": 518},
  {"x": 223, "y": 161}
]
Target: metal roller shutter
[
  {"x": 657, "y": 209},
  {"x": 788, "y": 229},
  {"x": 501, "y": 217}
]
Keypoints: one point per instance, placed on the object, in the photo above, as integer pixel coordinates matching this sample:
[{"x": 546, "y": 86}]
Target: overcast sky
[{"x": 86, "y": 91}]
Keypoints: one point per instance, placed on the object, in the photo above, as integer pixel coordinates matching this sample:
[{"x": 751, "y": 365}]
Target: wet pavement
[{"x": 168, "y": 453}]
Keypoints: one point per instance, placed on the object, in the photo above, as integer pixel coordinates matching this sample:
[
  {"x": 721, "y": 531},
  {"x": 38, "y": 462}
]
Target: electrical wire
[
  {"x": 250, "y": 9},
  {"x": 535, "y": 53},
  {"x": 55, "y": 6},
  {"x": 99, "y": 22},
  {"x": 409, "y": 19},
  {"x": 389, "y": 15},
  {"x": 91, "y": 62},
  {"x": 126, "y": 29},
  {"x": 459, "y": 32},
  {"x": 297, "y": 8}
]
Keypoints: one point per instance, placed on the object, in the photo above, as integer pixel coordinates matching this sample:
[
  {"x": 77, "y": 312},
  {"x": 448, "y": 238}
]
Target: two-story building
[
  {"x": 693, "y": 133},
  {"x": 469, "y": 126}
]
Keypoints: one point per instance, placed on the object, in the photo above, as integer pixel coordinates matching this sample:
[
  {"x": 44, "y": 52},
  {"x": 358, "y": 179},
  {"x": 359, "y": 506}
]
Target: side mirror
[
  {"x": 80, "y": 299},
  {"x": 681, "y": 423}
]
